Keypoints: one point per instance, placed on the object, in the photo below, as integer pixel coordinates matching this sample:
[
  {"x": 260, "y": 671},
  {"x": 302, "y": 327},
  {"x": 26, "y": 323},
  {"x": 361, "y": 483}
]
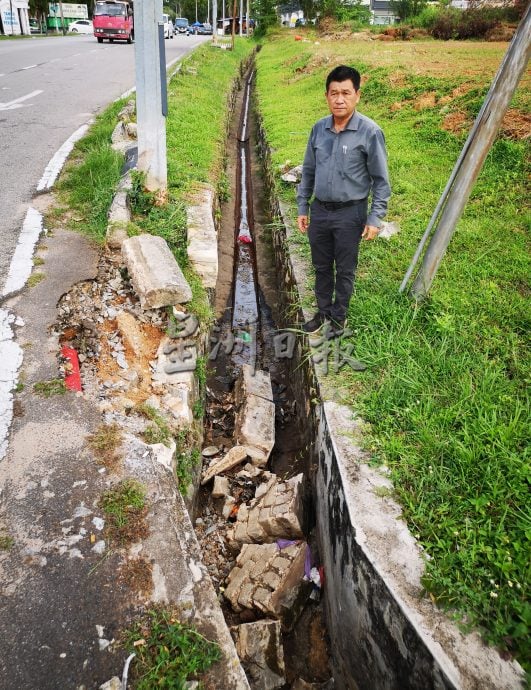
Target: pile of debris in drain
[{"x": 252, "y": 536}]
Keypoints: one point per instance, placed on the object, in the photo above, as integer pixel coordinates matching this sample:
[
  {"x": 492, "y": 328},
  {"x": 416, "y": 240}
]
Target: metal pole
[
  {"x": 247, "y": 20},
  {"x": 241, "y": 18},
  {"x": 234, "y": 8},
  {"x": 151, "y": 124},
  {"x": 11, "y": 18},
  {"x": 485, "y": 130}
]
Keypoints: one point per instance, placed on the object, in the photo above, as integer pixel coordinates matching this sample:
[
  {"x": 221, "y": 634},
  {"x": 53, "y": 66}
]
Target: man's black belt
[{"x": 336, "y": 205}]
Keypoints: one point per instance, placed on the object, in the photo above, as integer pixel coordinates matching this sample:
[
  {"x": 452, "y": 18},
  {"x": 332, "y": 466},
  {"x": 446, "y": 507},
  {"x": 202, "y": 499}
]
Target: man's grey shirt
[{"x": 346, "y": 166}]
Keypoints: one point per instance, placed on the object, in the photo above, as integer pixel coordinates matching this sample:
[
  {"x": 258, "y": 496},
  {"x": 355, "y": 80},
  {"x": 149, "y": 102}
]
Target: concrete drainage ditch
[{"x": 254, "y": 524}]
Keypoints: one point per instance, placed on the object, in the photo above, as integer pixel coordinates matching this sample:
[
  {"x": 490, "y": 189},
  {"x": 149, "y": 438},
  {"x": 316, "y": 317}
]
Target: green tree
[
  {"x": 38, "y": 9},
  {"x": 404, "y": 9},
  {"x": 265, "y": 15}
]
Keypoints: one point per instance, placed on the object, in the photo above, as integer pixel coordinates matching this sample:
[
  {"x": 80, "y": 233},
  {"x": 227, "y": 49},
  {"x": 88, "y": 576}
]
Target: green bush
[
  {"x": 426, "y": 18},
  {"x": 462, "y": 25}
]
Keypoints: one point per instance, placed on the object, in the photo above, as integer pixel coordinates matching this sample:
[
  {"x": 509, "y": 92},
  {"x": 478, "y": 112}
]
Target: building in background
[
  {"x": 71, "y": 13},
  {"x": 14, "y": 17}
]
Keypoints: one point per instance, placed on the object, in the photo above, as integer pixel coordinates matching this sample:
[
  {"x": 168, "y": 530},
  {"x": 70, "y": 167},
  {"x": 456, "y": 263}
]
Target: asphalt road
[{"x": 49, "y": 87}]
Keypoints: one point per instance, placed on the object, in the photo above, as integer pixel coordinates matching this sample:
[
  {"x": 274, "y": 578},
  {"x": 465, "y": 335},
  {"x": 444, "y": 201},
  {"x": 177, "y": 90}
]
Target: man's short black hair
[{"x": 342, "y": 73}]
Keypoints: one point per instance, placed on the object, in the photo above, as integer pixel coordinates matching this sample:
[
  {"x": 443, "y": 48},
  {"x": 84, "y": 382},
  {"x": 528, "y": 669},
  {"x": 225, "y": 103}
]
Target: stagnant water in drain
[{"x": 244, "y": 335}]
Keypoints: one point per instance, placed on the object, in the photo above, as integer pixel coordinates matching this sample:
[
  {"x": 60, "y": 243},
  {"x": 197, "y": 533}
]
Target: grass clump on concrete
[
  {"x": 45, "y": 389},
  {"x": 168, "y": 652},
  {"x": 35, "y": 278},
  {"x": 6, "y": 542},
  {"x": 158, "y": 431},
  {"x": 124, "y": 506},
  {"x": 105, "y": 443},
  {"x": 445, "y": 389}
]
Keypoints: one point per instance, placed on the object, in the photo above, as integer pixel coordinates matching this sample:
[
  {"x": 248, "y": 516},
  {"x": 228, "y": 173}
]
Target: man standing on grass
[{"x": 345, "y": 160}]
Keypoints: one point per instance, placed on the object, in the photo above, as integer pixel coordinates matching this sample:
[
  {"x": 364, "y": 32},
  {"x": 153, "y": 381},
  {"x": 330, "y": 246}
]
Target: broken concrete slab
[
  {"x": 252, "y": 382},
  {"x": 254, "y": 425},
  {"x": 221, "y": 487},
  {"x": 155, "y": 274},
  {"x": 234, "y": 457},
  {"x": 274, "y": 513},
  {"x": 259, "y": 647},
  {"x": 178, "y": 403},
  {"x": 202, "y": 237},
  {"x": 165, "y": 371},
  {"x": 270, "y": 580}
]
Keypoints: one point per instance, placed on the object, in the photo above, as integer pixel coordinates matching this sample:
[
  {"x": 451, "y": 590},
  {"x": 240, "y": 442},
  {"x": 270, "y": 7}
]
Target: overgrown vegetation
[
  {"x": 91, "y": 175},
  {"x": 445, "y": 392},
  {"x": 168, "y": 652},
  {"x": 187, "y": 458},
  {"x": 124, "y": 506}
]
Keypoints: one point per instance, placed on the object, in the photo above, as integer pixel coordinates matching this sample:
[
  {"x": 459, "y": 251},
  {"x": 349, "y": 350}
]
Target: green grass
[
  {"x": 187, "y": 456},
  {"x": 88, "y": 183},
  {"x": 445, "y": 394},
  {"x": 6, "y": 542},
  {"x": 170, "y": 654},
  {"x": 158, "y": 431},
  {"x": 45, "y": 389},
  {"x": 124, "y": 507},
  {"x": 35, "y": 279}
]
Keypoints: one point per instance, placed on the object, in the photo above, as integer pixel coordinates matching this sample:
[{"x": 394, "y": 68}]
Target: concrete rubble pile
[{"x": 267, "y": 577}]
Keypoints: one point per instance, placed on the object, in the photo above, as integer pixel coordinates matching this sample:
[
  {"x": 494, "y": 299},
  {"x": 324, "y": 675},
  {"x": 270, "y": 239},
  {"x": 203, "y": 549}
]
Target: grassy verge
[{"x": 445, "y": 392}]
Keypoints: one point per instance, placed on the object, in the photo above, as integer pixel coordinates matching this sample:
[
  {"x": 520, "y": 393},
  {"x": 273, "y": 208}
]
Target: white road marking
[
  {"x": 10, "y": 361},
  {"x": 22, "y": 263},
  {"x": 17, "y": 102},
  {"x": 29, "y": 67},
  {"x": 54, "y": 166}
]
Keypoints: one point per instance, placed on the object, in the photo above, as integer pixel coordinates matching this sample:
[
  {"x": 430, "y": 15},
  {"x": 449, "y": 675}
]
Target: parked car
[
  {"x": 169, "y": 31},
  {"x": 182, "y": 26},
  {"x": 81, "y": 26},
  {"x": 34, "y": 26},
  {"x": 204, "y": 29}
]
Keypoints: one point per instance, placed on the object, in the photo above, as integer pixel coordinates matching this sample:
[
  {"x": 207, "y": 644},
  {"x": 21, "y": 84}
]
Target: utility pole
[
  {"x": 470, "y": 162},
  {"x": 247, "y": 18},
  {"x": 241, "y": 17},
  {"x": 11, "y": 17},
  {"x": 62, "y": 18},
  {"x": 150, "y": 94}
]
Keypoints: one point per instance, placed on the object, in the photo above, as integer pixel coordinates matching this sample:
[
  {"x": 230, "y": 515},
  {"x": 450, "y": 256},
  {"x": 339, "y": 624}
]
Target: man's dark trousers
[{"x": 334, "y": 235}]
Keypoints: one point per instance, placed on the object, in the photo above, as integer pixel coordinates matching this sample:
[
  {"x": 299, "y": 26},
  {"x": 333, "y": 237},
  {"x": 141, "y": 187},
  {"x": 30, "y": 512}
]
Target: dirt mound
[
  {"x": 330, "y": 30},
  {"x": 426, "y": 100},
  {"x": 455, "y": 122},
  {"x": 516, "y": 124}
]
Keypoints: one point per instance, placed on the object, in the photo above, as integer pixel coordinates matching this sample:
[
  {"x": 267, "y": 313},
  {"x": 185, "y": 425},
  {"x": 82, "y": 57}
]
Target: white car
[
  {"x": 81, "y": 26},
  {"x": 169, "y": 31}
]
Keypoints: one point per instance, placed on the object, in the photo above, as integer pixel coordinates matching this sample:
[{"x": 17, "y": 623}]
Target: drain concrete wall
[{"x": 385, "y": 635}]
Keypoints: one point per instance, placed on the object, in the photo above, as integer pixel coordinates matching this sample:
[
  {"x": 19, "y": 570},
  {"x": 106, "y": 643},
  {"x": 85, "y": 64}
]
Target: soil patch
[
  {"x": 455, "y": 122},
  {"x": 516, "y": 124}
]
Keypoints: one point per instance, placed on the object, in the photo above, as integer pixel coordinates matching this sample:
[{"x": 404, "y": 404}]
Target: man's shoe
[
  {"x": 314, "y": 325},
  {"x": 335, "y": 329}
]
